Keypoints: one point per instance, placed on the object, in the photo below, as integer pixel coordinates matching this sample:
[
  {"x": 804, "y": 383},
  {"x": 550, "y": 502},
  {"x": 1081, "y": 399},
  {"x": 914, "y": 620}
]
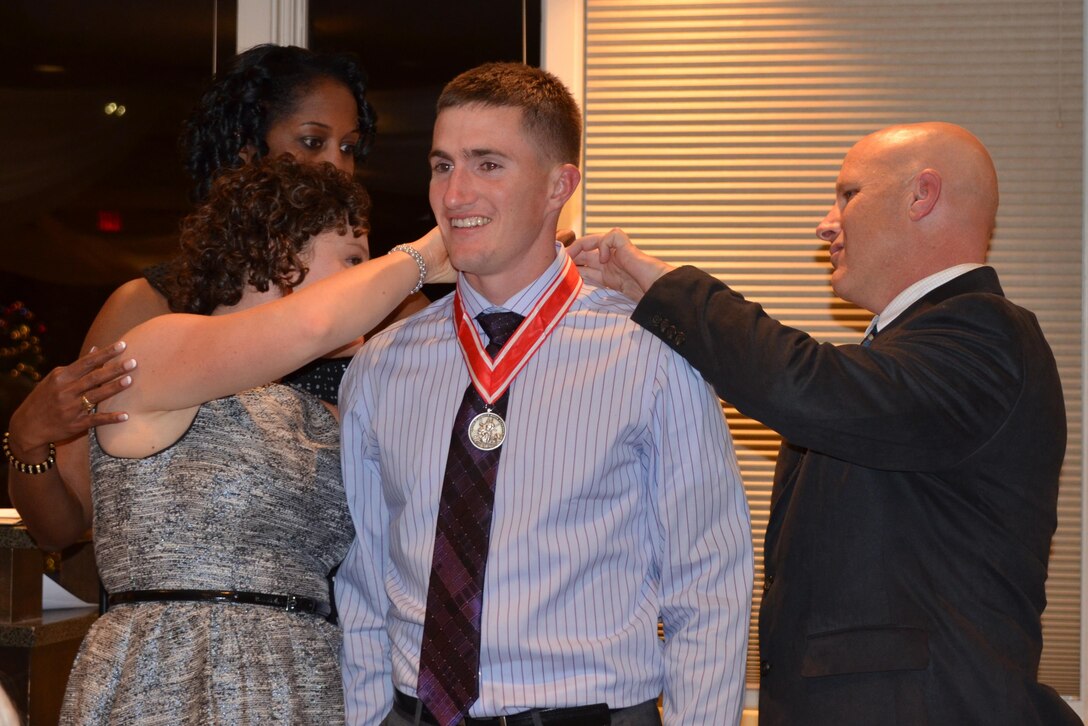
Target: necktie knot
[
  {"x": 870, "y": 332},
  {"x": 499, "y": 327}
]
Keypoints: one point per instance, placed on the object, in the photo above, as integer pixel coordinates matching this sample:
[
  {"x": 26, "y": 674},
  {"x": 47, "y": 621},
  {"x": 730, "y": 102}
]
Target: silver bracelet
[{"x": 415, "y": 255}]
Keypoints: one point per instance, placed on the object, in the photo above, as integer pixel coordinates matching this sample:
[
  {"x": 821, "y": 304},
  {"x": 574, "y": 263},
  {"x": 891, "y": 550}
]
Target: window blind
[{"x": 715, "y": 130}]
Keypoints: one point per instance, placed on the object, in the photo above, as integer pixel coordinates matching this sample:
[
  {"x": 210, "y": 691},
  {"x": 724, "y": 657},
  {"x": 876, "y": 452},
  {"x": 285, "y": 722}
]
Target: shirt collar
[
  {"x": 520, "y": 302},
  {"x": 917, "y": 291}
]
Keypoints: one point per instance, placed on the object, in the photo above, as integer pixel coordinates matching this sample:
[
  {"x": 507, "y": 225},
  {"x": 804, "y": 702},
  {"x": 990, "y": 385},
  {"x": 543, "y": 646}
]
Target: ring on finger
[{"x": 87, "y": 405}]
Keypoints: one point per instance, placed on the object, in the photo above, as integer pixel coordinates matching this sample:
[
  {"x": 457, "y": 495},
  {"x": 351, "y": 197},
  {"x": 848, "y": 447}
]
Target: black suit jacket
[{"x": 913, "y": 507}]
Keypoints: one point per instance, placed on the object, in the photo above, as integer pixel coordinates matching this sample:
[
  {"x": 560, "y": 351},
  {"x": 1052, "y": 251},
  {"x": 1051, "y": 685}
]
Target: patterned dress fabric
[
  {"x": 249, "y": 499},
  {"x": 320, "y": 378}
]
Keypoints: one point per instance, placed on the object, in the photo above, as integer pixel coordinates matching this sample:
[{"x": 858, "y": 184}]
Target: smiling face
[
  {"x": 865, "y": 226},
  {"x": 496, "y": 197},
  {"x": 322, "y": 126}
]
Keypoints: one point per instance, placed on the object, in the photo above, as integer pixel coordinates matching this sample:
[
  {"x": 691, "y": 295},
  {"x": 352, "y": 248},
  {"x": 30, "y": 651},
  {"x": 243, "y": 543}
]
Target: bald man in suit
[{"x": 915, "y": 493}]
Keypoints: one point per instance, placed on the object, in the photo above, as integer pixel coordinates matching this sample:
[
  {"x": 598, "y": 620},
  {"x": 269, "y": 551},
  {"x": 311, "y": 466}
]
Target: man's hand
[{"x": 612, "y": 260}]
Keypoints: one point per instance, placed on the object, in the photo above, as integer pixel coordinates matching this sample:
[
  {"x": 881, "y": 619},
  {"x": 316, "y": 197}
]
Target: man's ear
[
  {"x": 565, "y": 179},
  {"x": 927, "y": 190}
]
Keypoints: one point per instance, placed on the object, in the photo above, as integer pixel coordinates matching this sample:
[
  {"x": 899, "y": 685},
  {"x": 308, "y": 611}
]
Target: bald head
[
  {"x": 910, "y": 201},
  {"x": 966, "y": 209}
]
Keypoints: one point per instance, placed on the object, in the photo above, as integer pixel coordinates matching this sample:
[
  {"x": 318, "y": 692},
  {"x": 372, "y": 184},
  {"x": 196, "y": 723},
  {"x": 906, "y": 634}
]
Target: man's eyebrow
[
  {"x": 485, "y": 152},
  {"x": 471, "y": 153}
]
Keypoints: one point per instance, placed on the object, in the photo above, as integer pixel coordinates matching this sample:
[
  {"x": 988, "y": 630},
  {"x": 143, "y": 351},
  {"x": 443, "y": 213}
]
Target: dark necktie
[
  {"x": 449, "y": 659},
  {"x": 870, "y": 333}
]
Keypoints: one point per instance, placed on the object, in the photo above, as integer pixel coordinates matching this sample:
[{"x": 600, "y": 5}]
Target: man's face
[
  {"x": 492, "y": 193},
  {"x": 864, "y": 228}
]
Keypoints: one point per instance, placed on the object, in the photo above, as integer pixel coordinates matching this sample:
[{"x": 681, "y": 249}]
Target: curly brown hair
[{"x": 254, "y": 226}]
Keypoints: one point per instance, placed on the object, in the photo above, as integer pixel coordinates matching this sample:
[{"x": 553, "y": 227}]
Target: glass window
[{"x": 92, "y": 186}]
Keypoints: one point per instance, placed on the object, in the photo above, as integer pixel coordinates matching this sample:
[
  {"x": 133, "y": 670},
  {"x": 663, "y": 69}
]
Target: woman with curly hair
[
  {"x": 218, "y": 506},
  {"x": 273, "y": 100},
  {"x": 279, "y": 99}
]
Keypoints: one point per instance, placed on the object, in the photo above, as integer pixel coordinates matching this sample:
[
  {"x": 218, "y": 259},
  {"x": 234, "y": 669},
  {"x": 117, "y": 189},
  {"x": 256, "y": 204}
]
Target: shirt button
[{"x": 765, "y": 667}]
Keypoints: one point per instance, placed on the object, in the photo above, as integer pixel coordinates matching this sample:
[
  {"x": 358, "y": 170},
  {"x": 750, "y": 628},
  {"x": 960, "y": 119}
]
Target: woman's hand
[
  {"x": 62, "y": 405},
  {"x": 433, "y": 249}
]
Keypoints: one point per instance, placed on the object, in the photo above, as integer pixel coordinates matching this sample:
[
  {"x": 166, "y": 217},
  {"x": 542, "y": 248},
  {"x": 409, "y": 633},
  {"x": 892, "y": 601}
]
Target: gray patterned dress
[{"x": 249, "y": 499}]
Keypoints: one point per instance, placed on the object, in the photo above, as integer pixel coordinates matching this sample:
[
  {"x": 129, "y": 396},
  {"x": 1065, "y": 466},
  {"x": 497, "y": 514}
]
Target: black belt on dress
[
  {"x": 287, "y": 603},
  {"x": 598, "y": 714}
]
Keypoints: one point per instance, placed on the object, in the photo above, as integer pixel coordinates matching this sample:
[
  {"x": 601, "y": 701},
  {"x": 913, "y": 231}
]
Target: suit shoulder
[
  {"x": 992, "y": 311},
  {"x": 979, "y": 331}
]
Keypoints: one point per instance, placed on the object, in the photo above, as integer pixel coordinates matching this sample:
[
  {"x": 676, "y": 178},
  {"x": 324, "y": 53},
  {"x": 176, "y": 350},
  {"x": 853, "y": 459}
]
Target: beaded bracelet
[
  {"x": 30, "y": 468},
  {"x": 415, "y": 255}
]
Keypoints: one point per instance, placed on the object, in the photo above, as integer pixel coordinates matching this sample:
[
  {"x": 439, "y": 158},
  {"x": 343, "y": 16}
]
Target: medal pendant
[{"x": 487, "y": 431}]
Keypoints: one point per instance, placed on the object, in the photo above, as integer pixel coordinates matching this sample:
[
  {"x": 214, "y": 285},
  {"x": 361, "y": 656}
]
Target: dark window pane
[{"x": 88, "y": 197}]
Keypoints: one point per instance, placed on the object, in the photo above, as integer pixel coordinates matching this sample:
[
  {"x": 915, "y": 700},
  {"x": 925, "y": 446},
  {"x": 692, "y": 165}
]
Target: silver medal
[{"x": 487, "y": 431}]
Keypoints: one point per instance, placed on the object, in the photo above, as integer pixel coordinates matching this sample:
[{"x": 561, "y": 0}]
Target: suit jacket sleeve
[{"x": 930, "y": 390}]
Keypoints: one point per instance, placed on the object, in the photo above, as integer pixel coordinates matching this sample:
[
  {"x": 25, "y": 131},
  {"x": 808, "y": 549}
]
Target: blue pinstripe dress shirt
[{"x": 618, "y": 501}]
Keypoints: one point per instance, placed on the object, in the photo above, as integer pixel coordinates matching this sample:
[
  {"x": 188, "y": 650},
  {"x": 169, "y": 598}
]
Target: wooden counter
[{"x": 37, "y": 648}]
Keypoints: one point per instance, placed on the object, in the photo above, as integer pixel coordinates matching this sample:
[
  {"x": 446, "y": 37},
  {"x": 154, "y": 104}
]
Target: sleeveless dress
[{"x": 249, "y": 499}]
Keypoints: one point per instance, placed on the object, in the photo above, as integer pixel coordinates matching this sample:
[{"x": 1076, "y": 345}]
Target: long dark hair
[{"x": 262, "y": 85}]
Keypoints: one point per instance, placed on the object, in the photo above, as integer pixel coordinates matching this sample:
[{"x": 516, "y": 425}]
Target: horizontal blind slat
[{"x": 714, "y": 132}]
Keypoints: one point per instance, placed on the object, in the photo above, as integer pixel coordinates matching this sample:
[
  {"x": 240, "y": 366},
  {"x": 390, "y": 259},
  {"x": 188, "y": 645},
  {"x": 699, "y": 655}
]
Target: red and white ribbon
[{"x": 492, "y": 377}]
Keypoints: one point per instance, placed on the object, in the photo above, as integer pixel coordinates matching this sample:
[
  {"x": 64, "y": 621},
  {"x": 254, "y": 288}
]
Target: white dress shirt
[
  {"x": 916, "y": 292},
  {"x": 618, "y": 501}
]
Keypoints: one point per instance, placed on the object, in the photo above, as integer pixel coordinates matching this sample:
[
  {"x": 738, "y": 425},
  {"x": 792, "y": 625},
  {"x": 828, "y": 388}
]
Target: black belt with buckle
[
  {"x": 598, "y": 714},
  {"x": 287, "y": 603}
]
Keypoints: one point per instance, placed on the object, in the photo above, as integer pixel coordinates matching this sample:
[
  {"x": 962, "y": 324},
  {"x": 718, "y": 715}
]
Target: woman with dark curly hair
[
  {"x": 218, "y": 506},
  {"x": 272, "y": 100}
]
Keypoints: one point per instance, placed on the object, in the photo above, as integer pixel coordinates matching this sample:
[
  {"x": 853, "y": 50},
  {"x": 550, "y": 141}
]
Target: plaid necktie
[{"x": 449, "y": 659}]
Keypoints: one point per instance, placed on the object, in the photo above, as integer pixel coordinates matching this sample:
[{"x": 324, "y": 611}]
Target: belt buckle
[{"x": 291, "y": 605}]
